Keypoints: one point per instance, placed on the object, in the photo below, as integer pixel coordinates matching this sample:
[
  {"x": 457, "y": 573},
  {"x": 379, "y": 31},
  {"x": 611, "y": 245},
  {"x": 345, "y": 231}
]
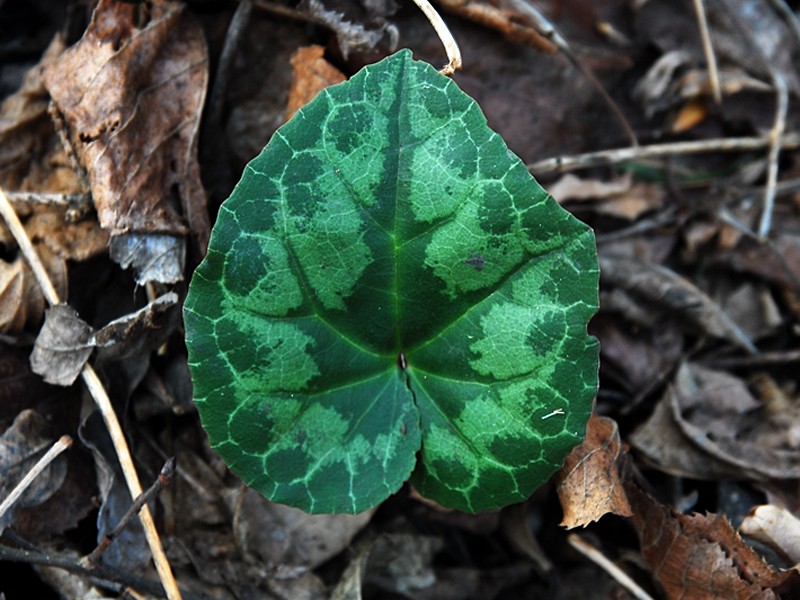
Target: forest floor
[{"x": 682, "y": 157}]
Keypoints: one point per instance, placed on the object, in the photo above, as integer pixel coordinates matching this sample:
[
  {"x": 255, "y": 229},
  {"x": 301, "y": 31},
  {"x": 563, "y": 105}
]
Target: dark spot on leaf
[{"x": 476, "y": 261}]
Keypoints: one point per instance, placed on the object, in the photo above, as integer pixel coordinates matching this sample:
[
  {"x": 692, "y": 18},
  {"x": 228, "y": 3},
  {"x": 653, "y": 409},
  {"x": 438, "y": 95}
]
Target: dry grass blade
[
  {"x": 100, "y": 396},
  {"x": 609, "y": 567}
]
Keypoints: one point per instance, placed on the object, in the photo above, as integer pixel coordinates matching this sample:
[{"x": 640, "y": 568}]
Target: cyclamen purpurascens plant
[{"x": 388, "y": 294}]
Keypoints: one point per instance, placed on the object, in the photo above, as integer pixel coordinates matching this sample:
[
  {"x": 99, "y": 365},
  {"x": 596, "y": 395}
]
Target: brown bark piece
[
  {"x": 311, "y": 74},
  {"x": 589, "y": 484},
  {"x": 132, "y": 100}
]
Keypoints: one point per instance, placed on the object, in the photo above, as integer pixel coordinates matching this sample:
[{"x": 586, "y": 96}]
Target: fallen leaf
[
  {"x": 351, "y": 35},
  {"x": 153, "y": 256},
  {"x": 61, "y": 348},
  {"x": 589, "y": 484},
  {"x": 49, "y": 227},
  {"x": 701, "y": 556},
  {"x": 287, "y": 538},
  {"x": 400, "y": 563},
  {"x": 666, "y": 289},
  {"x": 311, "y": 74},
  {"x": 21, "y": 299},
  {"x": 31, "y": 155},
  {"x": 21, "y": 445},
  {"x": 777, "y": 528},
  {"x": 132, "y": 100}
]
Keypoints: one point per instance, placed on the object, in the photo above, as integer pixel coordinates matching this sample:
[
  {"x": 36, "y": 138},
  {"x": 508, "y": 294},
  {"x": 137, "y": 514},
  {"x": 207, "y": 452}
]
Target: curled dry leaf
[
  {"x": 132, "y": 100},
  {"x": 21, "y": 299},
  {"x": 777, "y": 528},
  {"x": 701, "y": 556},
  {"x": 724, "y": 430},
  {"x": 31, "y": 155},
  {"x": 589, "y": 484},
  {"x": 671, "y": 292}
]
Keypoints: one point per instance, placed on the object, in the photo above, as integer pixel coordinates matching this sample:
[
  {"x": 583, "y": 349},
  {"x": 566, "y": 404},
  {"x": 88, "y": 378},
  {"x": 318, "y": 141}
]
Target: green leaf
[{"x": 389, "y": 294}]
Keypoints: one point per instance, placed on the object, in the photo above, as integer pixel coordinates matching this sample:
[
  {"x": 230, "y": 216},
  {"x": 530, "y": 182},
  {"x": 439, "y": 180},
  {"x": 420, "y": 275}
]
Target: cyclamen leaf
[{"x": 388, "y": 294}]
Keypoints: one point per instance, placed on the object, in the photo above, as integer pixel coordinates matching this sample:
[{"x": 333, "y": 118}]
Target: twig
[
  {"x": 608, "y": 566},
  {"x": 708, "y": 50},
  {"x": 100, "y": 396},
  {"x": 775, "y": 135},
  {"x": 57, "y": 448},
  {"x": 235, "y": 30},
  {"x": 550, "y": 31},
  {"x": 561, "y": 164},
  {"x": 164, "y": 479},
  {"x": 449, "y": 42}
]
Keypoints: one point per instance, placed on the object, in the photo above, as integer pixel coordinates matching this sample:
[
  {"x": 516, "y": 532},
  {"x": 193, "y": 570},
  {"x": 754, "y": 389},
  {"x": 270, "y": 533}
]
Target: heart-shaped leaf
[{"x": 389, "y": 294}]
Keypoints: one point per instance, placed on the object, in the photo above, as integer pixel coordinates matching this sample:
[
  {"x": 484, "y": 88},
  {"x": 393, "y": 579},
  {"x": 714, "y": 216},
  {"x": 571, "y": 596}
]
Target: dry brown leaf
[
  {"x": 311, "y": 74},
  {"x": 79, "y": 241},
  {"x": 589, "y": 484},
  {"x": 777, "y": 528},
  {"x": 709, "y": 426},
  {"x": 21, "y": 299},
  {"x": 31, "y": 155},
  {"x": 701, "y": 556},
  {"x": 132, "y": 100}
]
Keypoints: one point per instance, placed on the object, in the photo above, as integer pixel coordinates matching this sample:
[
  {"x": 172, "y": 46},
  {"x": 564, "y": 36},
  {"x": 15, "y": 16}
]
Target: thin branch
[
  {"x": 708, "y": 50},
  {"x": 608, "y": 566},
  {"x": 562, "y": 164},
  {"x": 103, "y": 402},
  {"x": 57, "y": 448},
  {"x": 449, "y": 42},
  {"x": 236, "y": 28},
  {"x": 775, "y": 135},
  {"x": 164, "y": 479}
]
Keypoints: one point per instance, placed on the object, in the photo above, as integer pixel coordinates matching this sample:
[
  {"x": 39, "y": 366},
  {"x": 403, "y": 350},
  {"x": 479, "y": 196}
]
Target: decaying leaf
[
  {"x": 351, "y": 35},
  {"x": 21, "y": 299},
  {"x": 589, "y": 483},
  {"x": 21, "y": 445},
  {"x": 622, "y": 197},
  {"x": 668, "y": 290},
  {"x": 65, "y": 341},
  {"x": 132, "y": 99},
  {"x": 775, "y": 527},
  {"x": 288, "y": 539},
  {"x": 31, "y": 155},
  {"x": 725, "y": 431},
  {"x": 311, "y": 74},
  {"x": 61, "y": 347},
  {"x": 701, "y": 556}
]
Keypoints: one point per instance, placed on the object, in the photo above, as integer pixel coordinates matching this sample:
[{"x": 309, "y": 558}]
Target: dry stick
[
  {"x": 609, "y": 567},
  {"x": 100, "y": 396},
  {"x": 708, "y": 50},
  {"x": 164, "y": 479},
  {"x": 562, "y": 164},
  {"x": 550, "y": 31},
  {"x": 775, "y": 135},
  {"x": 235, "y": 30},
  {"x": 449, "y": 42},
  {"x": 57, "y": 448}
]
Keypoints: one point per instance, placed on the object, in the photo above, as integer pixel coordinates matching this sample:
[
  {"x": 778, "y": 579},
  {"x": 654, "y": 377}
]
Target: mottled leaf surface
[{"x": 389, "y": 294}]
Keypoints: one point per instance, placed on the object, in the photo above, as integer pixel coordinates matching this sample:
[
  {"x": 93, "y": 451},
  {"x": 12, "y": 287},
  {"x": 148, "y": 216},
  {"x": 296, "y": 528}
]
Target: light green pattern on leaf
[{"x": 387, "y": 295}]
